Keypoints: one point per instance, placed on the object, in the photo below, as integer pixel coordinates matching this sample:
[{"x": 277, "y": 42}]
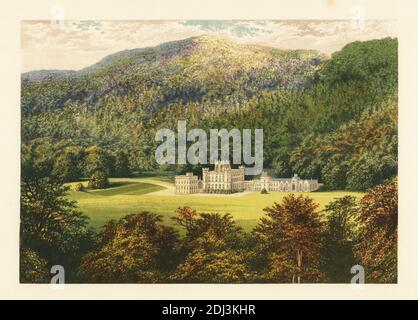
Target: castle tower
[
  {"x": 205, "y": 179},
  {"x": 241, "y": 177},
  {"x": 295, "y": 183},
  {"x": 265, "y": 181},
  {"x": 222, "y": 165}
]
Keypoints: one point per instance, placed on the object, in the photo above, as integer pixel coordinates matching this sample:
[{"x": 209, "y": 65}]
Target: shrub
[
  {"x": 78, "y": 187},
  {"x": 98, "y": 180},
  {"x": 264, "y": 191}
]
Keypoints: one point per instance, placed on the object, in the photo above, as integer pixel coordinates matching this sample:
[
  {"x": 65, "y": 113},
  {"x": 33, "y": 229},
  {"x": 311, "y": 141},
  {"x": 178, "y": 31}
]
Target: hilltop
[{"x": 194, "y": 69}]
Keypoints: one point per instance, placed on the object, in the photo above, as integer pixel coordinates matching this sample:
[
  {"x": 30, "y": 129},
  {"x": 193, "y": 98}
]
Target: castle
[{"x": 224, "y": 179}]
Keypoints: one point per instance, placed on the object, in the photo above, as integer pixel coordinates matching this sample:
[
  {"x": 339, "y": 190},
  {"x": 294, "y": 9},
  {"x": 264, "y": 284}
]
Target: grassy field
[{"x": 133, "y": 195}]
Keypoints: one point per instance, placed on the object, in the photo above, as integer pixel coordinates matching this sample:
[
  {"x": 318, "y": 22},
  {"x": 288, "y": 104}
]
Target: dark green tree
[
  {"x": 67, "y": 164},
  {"x": 98, "y": 159},
  {"x": 50, "y": 226},
  {"x": 339, "y": 239},
  {"x": 98, "y": 180},
  {"x": 334, "y": 175},
  {"x": 121, "y": 164}
]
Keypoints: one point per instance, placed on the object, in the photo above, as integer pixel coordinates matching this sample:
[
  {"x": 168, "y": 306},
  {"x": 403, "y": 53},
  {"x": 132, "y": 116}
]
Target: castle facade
[{"x": 224, "y": 179}]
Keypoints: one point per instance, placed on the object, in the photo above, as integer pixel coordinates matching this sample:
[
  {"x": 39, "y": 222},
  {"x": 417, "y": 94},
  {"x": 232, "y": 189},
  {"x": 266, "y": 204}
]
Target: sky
[{"x": 73, "y": 45}]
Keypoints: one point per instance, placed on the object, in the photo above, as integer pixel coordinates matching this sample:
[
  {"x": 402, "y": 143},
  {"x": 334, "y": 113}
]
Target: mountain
[
  {"x": 195, "y": 69},
  {"x": 46, "y": 75},
  {"x": 304, "y": 101}
]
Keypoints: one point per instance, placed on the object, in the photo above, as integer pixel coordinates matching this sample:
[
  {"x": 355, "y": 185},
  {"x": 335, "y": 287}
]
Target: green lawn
[{"x": 132, "y": 195}]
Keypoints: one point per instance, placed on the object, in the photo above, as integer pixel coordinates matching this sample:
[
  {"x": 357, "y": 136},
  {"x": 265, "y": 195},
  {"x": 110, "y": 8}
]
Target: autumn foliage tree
[
  {"x": 290, "y": 238},
  {"x": 136, "y": 249},
  {"x": 212, "y": 249},
  {"x": 33, "y": 269},
  {"x": 377, "y": 248}
]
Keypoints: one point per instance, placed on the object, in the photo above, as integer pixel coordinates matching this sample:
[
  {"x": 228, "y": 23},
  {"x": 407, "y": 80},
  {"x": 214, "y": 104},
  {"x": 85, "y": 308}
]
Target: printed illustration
[{"x": 209, "y": 151}]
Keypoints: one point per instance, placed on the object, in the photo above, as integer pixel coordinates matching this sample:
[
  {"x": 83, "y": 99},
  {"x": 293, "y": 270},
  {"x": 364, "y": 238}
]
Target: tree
[
  {"x": 321, "y": 107},
  {"x": 281, "y": 168},
  {"x": 183, "y": 168},
  {"x": 67, "y": 164},
  {"x": 168, "y": 167},
  {"x": 334, "y": 175},
  {"x": 377, "y": 247},
  {"x": 339, "y": 239},
  {"x": 33, "y": 269},
  {"x": 205, "y": 265},
  {"x": 290, "y": 239},
  {"x": 372, "y": 169},
  {"x": 98, "y": 159},
  {"x": 50, "y": 224},
  {"x": 121, "y": 166},
  {"x": 136, "y": 249},
  {"x": 98, "y": 180},
  {"x": 212, "y": 249}
]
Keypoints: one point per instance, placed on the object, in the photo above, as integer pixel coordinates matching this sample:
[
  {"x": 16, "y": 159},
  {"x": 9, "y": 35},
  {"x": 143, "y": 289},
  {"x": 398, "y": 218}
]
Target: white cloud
[{"x": 80, "y": 44}]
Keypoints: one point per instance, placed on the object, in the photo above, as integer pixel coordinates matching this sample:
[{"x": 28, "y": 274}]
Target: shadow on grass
[
  {"x": 165, "y": 176},
  {"x": 126, "y": 188}
]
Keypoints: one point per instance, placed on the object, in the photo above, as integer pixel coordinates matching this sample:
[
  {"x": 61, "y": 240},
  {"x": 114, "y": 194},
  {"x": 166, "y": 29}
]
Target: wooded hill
[{"x": 329, "y": 118}]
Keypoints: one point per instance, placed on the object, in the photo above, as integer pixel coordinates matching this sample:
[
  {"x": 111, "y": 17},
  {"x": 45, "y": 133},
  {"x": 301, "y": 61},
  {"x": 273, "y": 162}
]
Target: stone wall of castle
[
  {"x": 187, "y": 184},
  {"x": 223, "y": 179}
]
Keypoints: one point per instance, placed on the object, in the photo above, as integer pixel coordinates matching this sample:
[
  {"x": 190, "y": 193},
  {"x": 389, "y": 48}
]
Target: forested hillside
[
  {"x": 329, "y": 118},
  {"x": 201, "y": 69}
]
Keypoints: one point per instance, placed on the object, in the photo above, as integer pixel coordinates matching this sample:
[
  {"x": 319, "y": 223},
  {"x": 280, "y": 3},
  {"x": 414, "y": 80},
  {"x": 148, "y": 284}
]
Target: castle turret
[
  {"x": 222, "y": 165},
  {"x": 205, "y": 179},
  {"x": 265, "y": 181}
]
